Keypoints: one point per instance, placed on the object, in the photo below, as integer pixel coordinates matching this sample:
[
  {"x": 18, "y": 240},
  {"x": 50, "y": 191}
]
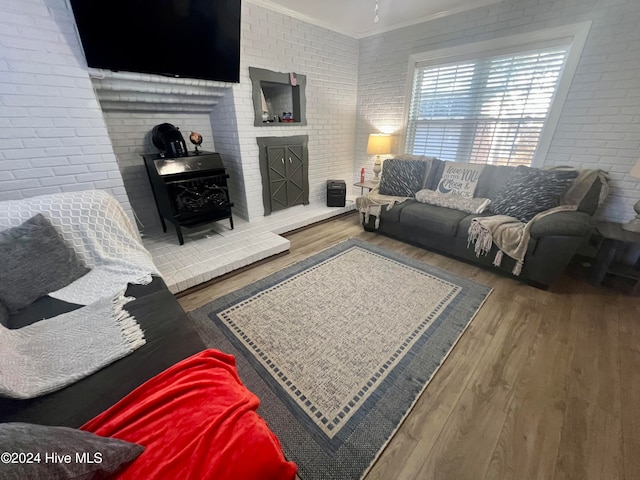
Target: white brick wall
[
  {"x": 330, "y": 61},
  {"x": 53, "y": 137},
  {"x": 224, "y": 123},
  {"x": 130, "y": 135},
  {"x": 600, "y": 122}
]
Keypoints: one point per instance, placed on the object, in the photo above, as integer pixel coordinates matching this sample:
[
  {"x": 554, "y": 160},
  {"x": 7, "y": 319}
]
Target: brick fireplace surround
[
  {"x": 128, "y": 102},
  {"x": 66, "y": 127}
]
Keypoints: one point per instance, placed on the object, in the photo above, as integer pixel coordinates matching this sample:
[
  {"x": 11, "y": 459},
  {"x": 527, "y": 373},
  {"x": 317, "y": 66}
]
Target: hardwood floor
[{"x": 542, "y": 385}]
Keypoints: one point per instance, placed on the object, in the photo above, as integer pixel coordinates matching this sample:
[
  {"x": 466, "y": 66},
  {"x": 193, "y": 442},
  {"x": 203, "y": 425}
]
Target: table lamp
[
  {"x": 378, "y": 144},
  {"x": 634, "y": 225}
]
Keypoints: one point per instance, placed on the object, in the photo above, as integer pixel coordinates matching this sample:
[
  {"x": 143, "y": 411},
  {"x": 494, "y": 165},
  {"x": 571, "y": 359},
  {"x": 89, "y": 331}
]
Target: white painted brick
[
  {"x": 33, "y": 173},
  {"x": 55, "y": 181},
  {"x": 24, "y": 153},
  {"x": 70, "y": 170},
  {"x": 330, "y": 62},
  {"x": 89, "y": 159},
  {"x": 354, "y": 87},
  {"x": 92, "y": 177},
  {"x": 19, "y": 185},
  {"x": 600, "y": 107}
]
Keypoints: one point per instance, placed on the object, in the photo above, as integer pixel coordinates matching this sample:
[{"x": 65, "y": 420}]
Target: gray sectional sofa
[{"x": 554, "y": 239}]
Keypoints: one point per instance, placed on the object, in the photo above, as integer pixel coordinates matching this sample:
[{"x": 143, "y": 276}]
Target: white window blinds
[{"x": 489, "y": 110}]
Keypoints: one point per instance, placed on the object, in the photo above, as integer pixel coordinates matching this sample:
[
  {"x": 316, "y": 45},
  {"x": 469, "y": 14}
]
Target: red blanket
[{"x": 197, "y": 420}]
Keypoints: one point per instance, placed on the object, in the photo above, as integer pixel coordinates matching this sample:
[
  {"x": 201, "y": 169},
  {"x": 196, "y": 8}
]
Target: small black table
[{"x": 614, "y": 238}]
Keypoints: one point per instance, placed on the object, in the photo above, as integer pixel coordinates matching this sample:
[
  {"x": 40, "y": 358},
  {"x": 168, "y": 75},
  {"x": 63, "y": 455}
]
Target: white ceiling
[{"x": 356, "y": 17}]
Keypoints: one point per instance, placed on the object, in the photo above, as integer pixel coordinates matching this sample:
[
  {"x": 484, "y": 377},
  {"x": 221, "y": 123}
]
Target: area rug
[{"x": 339, "y": 347}]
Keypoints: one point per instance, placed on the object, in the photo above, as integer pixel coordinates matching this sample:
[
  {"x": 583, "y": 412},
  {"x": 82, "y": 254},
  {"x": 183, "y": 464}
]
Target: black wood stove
[{"x": 190, "y": 190}]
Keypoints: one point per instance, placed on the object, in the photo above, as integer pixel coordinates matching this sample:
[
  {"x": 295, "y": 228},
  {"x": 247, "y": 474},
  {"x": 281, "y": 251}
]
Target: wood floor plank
[
  {"x": 495, "y": 408},
  {"x": 590, "y": 445},
  {"x": 595, "y": 375},
  {"x": 630, "y": 391},
  {"x": 432, "y": 410},
  {"x": 530, "y": 438},
  {"x": 464, "y": 446}
]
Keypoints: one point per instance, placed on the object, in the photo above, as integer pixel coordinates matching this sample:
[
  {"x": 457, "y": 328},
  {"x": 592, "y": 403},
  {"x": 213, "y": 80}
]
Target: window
[{"x": 486, "y": 107}]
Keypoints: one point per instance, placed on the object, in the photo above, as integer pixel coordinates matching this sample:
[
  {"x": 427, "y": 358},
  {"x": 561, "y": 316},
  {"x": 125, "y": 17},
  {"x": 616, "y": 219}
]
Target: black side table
[{"x": 614, "y": 237}]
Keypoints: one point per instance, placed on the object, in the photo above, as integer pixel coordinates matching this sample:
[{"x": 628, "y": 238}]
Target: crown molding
[
  {"x": 373, "y": 31},
  {"x": 426, "y": 18},
  {"x": 276, "y": 7}
]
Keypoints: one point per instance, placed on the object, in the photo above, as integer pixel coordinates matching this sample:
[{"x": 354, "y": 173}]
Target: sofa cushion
[
  {"x": 459, "y": 178},
  {"x": 434, "y": 175},
  {"x": 430, "y": 161},
  {"x": 36, "y": 261},
  {"x": 90, "y": 455},
  {"x": 591, "y": 200},
  {"x": 393, "y": 214},
  {"x": 576, "y": 224},
  {"x": 465, "y": 223},
  {"x": 170, "y": 337},
  {"x": 402, "y": 178},
  {"x": 493, "y": 179},
  {"x": 457, "y": 202},
  {"x": 530, "y": 191},
  {"x": 440, "y": 220},
  {"x": 41, "y": 309},
  {"x": 4, "y": 316}
]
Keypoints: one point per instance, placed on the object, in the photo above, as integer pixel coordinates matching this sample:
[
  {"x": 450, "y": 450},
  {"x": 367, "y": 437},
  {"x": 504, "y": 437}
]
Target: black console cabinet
[{"x": 190, "y": 190}]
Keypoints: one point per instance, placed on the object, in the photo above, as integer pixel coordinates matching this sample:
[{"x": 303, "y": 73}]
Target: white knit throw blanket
[
  {"x": 101, "y": 234},
  {"x": 53, "y": 353},
  {"x": 509, "y": 234},
  {"x": 373, "y": 204}
]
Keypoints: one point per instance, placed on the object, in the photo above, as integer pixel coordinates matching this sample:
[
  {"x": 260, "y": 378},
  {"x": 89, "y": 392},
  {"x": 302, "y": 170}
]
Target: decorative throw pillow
[
  {"x": 459, "y": 179},
  {"x": 530, "y": 191},
  {"x": 402, "y": 178},
  {"x": 29, "y": 450},
  {"x": 457, "y": 202},
  {"x": 4, "y": 316},
  {"x": 35, "y": 261}
]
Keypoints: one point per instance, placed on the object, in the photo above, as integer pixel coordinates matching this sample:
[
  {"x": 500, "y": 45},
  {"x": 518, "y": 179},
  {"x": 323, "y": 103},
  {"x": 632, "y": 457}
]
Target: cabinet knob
[{"x": 283, "y": 160}]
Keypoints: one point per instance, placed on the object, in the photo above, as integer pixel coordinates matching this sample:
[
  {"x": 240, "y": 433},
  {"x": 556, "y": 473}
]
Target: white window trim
[{"x": 574, "y": 34}]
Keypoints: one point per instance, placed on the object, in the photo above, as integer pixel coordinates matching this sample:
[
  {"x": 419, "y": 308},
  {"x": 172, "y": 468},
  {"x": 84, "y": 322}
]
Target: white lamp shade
[
  {"x": 379, "y": 144},
  {"x": 635, "y": 170}
]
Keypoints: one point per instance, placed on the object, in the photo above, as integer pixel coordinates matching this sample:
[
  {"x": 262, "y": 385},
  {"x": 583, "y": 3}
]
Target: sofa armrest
[{"x": 573, "y": 224}]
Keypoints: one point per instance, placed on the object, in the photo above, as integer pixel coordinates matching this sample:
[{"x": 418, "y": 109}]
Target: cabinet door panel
[
  {"x": 279, "y": 195},
  {"x": 295, "y": 175},
  {"x": 277, "y": 177},
  {"x": 277, "y": 167},
  {"x": 283, "y": 167}
]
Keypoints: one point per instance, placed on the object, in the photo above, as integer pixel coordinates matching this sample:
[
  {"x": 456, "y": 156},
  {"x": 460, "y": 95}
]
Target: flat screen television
[{"x": 179, "y": 38}]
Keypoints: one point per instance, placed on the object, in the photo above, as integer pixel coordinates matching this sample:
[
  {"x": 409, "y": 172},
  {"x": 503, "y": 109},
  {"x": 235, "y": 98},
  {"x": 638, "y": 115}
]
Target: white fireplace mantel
[{"x": 140, "y": 92}]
